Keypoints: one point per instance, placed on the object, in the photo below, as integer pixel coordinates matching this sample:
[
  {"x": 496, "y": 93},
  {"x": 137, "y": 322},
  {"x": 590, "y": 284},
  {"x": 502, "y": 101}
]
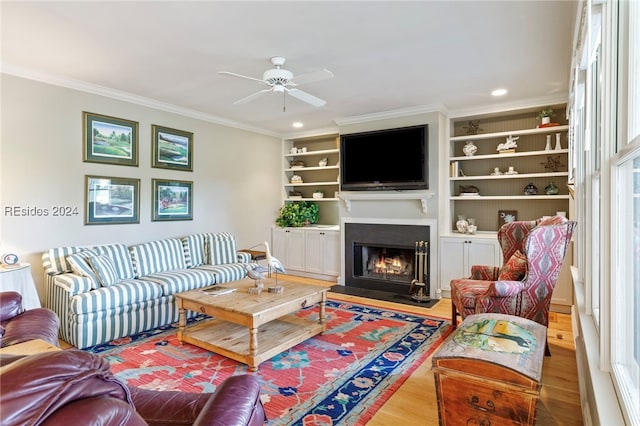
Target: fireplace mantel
[{"x": 350, "y": 196}]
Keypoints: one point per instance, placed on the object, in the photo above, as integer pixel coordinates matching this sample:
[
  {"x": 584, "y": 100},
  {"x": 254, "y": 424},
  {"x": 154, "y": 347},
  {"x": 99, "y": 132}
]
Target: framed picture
[
  {"x": 110, "y": 200},
  {"x": 506, "y": 216},
  {"x": 109, "y": 140},
  {"x": 172, "y": 200},
  {"x": 171, "y": 149}
]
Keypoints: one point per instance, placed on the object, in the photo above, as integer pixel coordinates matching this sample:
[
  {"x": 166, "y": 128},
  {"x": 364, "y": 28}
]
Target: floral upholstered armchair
[{"x": 533, "y": 255}]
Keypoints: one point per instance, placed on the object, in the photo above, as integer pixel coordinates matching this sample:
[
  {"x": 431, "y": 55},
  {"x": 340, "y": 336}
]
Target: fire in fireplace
[{"x": 386, "y": 263}]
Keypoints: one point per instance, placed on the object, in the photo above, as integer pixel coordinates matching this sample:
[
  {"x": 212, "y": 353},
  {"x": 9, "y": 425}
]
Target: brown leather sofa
[
  {"x": 18, "y": 325},
  {"x": 74, "y": 387}
]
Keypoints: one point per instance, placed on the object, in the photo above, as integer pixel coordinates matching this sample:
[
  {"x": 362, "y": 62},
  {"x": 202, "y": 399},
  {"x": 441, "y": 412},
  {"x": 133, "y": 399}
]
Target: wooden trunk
[{"x": 488, "y": 372}]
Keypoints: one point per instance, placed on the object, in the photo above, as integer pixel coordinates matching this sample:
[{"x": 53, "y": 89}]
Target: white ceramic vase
[
  {"x": 548, "y": 146},
  {"x": 558, "y": 145},
  {"x": 462, "y": 224},
  {"x": 469, "y": 149}
]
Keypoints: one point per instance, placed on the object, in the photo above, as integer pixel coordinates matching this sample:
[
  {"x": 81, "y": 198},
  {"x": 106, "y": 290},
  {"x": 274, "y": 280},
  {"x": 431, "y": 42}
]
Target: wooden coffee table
[{"x": 251, "y": 328}]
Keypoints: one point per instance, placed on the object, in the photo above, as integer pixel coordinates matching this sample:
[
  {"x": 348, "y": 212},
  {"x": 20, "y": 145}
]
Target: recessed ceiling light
[
  {"x": 499, "y": 92},
  {"x": 298, "y": 125}
]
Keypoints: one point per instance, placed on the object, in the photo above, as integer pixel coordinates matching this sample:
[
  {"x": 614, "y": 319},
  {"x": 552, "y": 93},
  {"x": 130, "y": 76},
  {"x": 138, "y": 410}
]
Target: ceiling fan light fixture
[{"x": 277, "y": 76}]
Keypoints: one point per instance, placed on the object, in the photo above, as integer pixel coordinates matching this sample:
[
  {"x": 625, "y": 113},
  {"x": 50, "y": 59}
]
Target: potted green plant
[
  {"x": 545, "y": 115},
  {"x": 299, "y": 213}
]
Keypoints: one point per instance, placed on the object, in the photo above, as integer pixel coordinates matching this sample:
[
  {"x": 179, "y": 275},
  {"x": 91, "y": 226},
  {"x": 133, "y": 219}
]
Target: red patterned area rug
[{"x": 339, "y": 378}]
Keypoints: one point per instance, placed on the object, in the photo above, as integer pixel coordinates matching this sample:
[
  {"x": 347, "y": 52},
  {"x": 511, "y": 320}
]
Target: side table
[{"x": 18, "y": 278}]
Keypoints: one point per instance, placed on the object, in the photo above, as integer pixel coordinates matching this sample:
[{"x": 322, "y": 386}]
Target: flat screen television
[{"x": 392, "y": 159}]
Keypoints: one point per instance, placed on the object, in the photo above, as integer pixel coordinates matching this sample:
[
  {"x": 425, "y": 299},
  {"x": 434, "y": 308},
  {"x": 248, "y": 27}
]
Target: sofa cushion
[
  {"x": 120, "y": 257},
  {"x": 181, "y": 280},
  {"x": 221, "y": 249},
  {"x": 226, "y": 273},
  {"x": 104, "y": 270},
  {"x": 195, "y": 249},
  {"x": 124, "y": 293},
  {"x": 74, "y": 284},
  {"x": 80, "y": 265},
  {"x": 54, "y": 261},
  {"x": 158, "y": 256}
]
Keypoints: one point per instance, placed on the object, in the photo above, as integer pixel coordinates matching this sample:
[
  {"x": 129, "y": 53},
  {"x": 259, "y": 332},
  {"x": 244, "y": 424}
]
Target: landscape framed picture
[
  {"x": 171, "y": 148},
  {"x": 111, "y": 200},
  {"x": 172, "y": 200},
  {"x": 506, "y": 216},
  {"x": 109, "y": 140}
]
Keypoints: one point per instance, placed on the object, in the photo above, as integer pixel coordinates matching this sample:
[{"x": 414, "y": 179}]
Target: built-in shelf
[
  {"x": 312, "y": 184},
  {"x": 317, "y": 152},
  {"x": 312, "y": 199},
  {"x": 517, "y": 176},
  {"x": 511, "y": 197},
  {"x": 515, "y": 154},
  {"x": 350, "y": 196},
  {"x": 302, "y": 169},
  {"x": 534, "y": 131}
]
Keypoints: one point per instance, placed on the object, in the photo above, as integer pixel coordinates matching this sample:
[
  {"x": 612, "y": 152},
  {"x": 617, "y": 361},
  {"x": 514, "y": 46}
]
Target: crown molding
[
  {"x": 531, "y": 103},
  {"x": 128, "y": 97},
  {"x": 311, "y": 133},
  {"x": 397, "y": 113}
]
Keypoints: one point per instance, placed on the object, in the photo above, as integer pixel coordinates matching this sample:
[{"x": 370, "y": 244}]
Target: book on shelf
[
  {"x": 507, "y": 151},
  {"x": 454, "y": 169},
  {"x": 218, "y": 290},
  {"x": 469, "y": 194}
]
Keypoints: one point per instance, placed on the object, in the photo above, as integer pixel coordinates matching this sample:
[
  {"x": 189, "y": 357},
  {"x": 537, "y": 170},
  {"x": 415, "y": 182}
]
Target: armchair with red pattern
[{"x": 533, "y": 255}]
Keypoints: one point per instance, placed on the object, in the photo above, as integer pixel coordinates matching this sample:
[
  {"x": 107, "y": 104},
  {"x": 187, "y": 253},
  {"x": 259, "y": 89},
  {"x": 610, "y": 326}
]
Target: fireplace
[{"x": 383, "y": 256}]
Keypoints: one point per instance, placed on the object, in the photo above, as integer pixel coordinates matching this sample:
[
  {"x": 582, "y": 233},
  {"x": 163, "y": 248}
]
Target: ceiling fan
[{"x": 283, "y": 81}]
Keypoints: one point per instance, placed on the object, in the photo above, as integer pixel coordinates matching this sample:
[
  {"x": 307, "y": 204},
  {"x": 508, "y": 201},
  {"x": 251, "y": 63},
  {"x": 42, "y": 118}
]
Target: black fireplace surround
[{"x": 396, "y": 242}]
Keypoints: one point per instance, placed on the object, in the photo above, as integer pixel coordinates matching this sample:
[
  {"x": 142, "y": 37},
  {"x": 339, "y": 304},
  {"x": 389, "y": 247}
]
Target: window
[
  {"x": 606, "y": 127},
  {"x": 625, "y": 226}
]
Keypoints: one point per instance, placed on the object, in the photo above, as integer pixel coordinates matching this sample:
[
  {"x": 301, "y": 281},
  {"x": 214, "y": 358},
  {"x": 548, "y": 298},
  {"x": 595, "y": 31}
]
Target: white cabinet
[
  {"x": 322, "y": 252},
  {"x": 288, "y": 247},
  {"x": 311, "y": 252},
  {"x": 458, "y": 253}
]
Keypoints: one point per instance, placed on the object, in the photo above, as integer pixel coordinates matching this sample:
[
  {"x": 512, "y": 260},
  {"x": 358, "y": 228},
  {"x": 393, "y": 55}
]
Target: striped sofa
[{"x": 106, "y": 292}]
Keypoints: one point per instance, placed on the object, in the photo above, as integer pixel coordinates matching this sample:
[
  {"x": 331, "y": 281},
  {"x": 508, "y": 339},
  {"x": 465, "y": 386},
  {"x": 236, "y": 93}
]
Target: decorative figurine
[
  {"x": 473, "y": 127},
  {"x": 509, "y": 144}
]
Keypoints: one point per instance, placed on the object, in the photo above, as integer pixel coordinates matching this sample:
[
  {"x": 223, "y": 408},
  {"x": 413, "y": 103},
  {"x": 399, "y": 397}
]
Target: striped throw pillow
[
  {"x": 104, "y": 270},
  {"x": 80, "y": 265}
]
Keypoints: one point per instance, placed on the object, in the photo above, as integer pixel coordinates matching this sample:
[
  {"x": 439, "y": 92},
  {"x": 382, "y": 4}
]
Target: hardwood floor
[{"x": 415, "y": 402}]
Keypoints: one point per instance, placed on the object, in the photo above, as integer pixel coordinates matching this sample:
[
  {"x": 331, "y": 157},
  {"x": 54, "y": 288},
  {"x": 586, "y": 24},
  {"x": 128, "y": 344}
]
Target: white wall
[{"x": 236, "y": 173}]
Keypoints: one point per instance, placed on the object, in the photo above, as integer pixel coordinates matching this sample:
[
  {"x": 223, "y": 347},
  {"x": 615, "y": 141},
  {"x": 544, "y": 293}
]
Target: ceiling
[{"x": 385, "y": 55}]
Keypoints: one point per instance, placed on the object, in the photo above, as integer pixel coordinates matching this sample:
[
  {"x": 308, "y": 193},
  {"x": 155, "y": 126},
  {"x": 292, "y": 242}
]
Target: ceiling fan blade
[
  {"x": 241, "y": 76},
  {"x": 306, "y": 97},
  {"x": 252, "y": 97},
  {"x": 311, "y": 77}
]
